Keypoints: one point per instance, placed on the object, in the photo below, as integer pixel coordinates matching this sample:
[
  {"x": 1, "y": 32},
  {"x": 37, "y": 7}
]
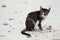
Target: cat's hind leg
[{"x": 29, "y": 25}]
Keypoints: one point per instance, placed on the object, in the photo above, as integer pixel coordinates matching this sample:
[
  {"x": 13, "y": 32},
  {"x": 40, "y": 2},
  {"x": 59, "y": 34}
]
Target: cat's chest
[{"x": 43, "y": 16}]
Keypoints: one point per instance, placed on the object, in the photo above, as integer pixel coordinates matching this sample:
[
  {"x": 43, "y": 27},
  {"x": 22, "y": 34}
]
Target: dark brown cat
[{"x": 32, "y": 19}]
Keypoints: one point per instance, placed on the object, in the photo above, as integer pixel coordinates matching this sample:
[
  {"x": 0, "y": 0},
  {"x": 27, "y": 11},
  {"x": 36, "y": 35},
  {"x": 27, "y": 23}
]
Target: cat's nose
[{"x": 45, "y": 14}]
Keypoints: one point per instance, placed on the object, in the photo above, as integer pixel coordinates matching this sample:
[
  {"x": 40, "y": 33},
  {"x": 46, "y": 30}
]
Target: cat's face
[{"x": 44, "y": 11}]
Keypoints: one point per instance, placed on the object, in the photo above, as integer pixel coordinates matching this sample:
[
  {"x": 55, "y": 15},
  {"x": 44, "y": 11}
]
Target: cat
[{"x": 33, "y": 17}]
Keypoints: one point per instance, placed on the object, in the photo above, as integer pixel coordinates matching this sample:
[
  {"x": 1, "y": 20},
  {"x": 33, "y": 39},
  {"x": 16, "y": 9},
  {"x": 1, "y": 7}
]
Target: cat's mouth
[
  {"x": 43, "y": 17},
  {"x": 45, "y": 14}
]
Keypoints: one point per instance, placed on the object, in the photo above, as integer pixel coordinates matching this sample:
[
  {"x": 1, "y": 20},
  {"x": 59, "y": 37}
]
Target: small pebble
[
  {"x": 36, "y": 35},
  {"x": 2, "y": 35},
  {"x": 49, "y": 31},
  {"x": 5, "y": 23},
  {"x": 16, "y": 12},
  {"x": 26, "y": 2},
  {"x": 11, "y": 19},
  {"x": 10, "y": 25},
  {"x": 3, "y": 5},
  {"x": 13, "y": 28},
  {"x": 20, "y": 22},
  {"x": 9, "y": 31},
  {"x": 53, "y": 11},
  {"x": 56, "y": 39},
  {"x": 50, "y": 26}
]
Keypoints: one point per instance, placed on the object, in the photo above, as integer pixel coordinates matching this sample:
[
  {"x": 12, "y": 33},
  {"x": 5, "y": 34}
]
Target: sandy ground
[{"x": 13, "y": 14}]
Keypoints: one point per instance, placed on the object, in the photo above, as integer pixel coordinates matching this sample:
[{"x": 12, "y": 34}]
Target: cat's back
[{"x": 34, "y": 13}]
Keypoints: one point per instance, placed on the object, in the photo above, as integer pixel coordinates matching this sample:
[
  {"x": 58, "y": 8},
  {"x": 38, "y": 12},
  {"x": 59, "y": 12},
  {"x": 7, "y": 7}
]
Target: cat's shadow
[{"x": 36, "y": 30}]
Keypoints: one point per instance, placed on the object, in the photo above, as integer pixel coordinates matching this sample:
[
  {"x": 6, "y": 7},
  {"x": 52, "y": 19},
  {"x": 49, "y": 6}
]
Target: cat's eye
[{"x": 46, "y": 12}]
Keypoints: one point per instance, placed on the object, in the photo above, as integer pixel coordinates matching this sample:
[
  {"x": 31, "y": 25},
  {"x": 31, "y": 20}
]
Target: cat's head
[{"x": 44, "y": 11}]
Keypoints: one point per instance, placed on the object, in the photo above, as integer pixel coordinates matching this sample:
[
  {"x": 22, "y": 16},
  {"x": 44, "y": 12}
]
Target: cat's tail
[{"x": 23, "y": 32}]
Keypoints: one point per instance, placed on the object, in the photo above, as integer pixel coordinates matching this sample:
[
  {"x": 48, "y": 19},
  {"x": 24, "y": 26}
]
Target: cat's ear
[
  {"x": 49, "y": 9},
  {"x": 41, "y": 8}
]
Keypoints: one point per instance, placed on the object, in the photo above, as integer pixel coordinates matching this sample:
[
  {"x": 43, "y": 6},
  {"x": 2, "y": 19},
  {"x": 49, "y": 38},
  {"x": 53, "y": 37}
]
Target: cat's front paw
[{"x": 41, "y": 29}]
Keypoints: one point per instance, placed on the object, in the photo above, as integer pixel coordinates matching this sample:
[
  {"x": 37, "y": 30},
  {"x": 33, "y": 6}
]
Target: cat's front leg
[{"x": 39, "y": 25}]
